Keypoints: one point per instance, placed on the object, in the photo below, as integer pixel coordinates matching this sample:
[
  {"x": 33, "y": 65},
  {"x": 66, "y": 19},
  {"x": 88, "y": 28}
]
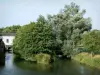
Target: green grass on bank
[{"x": 88, "y": 59}]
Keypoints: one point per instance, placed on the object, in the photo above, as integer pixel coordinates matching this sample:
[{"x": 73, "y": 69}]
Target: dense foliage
[
  {"x": 91, "y": 41},
  {"x": 58, "y": 34},
  {"x": 10, "y": 29},
  {"x": 68, "y": 25},
  {"x": 33, "y": 38},
  {"x": 1, "y": 29}
]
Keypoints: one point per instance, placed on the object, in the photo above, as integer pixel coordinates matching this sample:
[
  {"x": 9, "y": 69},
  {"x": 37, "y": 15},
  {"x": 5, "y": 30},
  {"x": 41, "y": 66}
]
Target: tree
[
  {"x": 11, "y": 29},
  {"x": 68, "y": 25},
  {"x": 91, "y": 41},
  {"x": 33, "y": 38},
  {"x": 1, "y": 29}
]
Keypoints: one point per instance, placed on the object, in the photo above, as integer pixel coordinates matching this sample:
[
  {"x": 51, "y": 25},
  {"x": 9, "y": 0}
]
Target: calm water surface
[{"x": 57, "y": 68}]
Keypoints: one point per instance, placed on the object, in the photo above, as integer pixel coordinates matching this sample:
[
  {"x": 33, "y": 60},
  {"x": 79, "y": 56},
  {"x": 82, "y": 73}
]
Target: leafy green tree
[
  {"x": 68, "y": 25},
  {"x": 1, "y": 29},
  {"x": 22, "y": 44},
  {"x": 91, "y": 41},
  {"x": 33, "y": 38},
  {"x": 11, "y": 29}
]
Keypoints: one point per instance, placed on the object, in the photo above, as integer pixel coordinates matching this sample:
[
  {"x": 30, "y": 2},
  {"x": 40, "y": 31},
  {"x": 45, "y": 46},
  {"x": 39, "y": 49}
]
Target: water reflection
[
  {"x": 32, "y": 66},
  {"x": 59, "y": 67},
  {"x": 2, "y": 59}
]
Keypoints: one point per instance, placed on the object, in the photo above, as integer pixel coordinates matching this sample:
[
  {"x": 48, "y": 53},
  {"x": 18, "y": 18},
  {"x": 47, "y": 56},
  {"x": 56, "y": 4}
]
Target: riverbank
[
  {"x": 41, "y": 58},
  {"x": 88, "y": 59}
]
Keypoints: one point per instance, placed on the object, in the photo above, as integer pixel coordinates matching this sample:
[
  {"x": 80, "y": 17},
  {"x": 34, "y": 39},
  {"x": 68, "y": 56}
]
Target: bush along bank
[
  {"x": 88, "y": 59},
  {"x": 40, "y": 58}
]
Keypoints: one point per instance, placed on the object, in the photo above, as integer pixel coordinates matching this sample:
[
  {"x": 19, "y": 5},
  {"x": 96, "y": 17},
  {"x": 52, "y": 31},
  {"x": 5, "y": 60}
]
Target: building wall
[{"x": 8, "y": 40}]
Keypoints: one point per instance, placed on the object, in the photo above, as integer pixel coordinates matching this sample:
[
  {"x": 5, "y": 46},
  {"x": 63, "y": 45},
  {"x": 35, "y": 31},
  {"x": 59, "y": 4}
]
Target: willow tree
[{"x": 68, "y": 25}]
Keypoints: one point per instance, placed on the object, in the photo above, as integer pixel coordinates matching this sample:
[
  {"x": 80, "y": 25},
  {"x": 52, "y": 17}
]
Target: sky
[{"x": 14, "y": 12}]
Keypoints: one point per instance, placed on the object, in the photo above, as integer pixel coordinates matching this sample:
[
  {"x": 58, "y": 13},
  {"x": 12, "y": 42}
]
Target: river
[{"x": 57, "y": 68}]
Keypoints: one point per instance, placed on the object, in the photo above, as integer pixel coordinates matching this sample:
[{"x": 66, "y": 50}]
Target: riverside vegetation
[
  {"x": 67, "y": 34},
  {"x": 91, "y": 53}
]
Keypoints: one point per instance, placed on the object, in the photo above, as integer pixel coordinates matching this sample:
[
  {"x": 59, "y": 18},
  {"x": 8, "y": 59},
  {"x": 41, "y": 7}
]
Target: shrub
[{"x": 43, "y": 58}]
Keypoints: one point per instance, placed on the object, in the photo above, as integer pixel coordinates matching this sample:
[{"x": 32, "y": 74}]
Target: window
[{"x": 7, "y": 40}]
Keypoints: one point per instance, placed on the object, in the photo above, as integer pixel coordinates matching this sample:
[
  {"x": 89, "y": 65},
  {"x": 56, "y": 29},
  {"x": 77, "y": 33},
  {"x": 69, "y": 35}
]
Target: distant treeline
[{"x": 10, "y": 29}]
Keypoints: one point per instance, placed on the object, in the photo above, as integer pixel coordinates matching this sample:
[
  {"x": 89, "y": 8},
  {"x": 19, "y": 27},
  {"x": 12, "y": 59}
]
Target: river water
[{"x": 57, "y": 68}]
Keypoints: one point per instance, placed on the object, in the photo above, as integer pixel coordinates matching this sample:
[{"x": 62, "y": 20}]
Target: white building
[{"x": 7, "y": 38}]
